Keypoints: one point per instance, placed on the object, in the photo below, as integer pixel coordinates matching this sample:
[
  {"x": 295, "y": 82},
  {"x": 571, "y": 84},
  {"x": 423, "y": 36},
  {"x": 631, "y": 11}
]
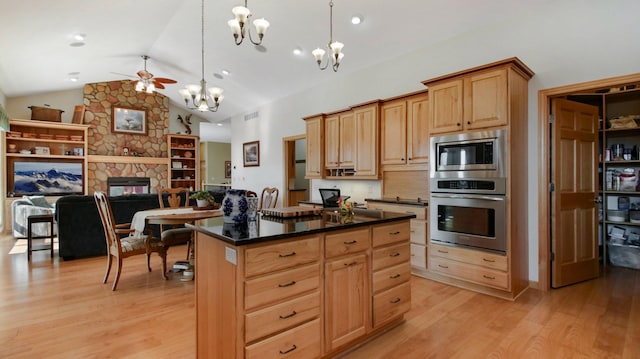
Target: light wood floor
[{"x": 57, "y": 309}]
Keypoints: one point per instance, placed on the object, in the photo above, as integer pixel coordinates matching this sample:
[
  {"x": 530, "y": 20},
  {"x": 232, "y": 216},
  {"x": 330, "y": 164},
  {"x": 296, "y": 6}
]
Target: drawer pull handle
[
  {"x": 287, "y": 284},
  {"x": 394, "y": 276},
  {"x": 287, "y": 255},
  {"x": 350, "y": 264},
  {"x": 488, "y": 260},
  {"x": 351, "y": 242},
  {"x": 288, "y": 315},
  {"x": 488, "y": 276},
  {"x": 394, "y": 233},
  {"x": 395, "y": 300},
  {"x": 441, "y": 251},
  {"x": 442, "y": 266},
  {"x": 394, "y": 254},
  {"x": 294, "y": 347}
]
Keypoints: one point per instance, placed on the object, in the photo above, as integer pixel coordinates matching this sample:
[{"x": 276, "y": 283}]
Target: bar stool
[{"x": 38, "y": 218}]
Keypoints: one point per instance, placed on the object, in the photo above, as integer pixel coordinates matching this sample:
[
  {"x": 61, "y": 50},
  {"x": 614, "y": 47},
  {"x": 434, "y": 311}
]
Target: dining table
[{"x": 173, "y": 216}]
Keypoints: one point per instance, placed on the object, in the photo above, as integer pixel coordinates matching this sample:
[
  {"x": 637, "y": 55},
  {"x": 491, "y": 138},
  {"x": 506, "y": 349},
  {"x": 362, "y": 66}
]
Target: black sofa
[{"x": 80, "y": 232}]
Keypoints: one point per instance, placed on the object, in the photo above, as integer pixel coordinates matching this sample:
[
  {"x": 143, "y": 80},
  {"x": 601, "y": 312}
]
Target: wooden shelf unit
[{"x": 184, "y": 161}]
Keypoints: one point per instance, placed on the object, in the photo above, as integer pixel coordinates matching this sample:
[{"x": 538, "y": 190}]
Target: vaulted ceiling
[{"x": 38, "y": 56}]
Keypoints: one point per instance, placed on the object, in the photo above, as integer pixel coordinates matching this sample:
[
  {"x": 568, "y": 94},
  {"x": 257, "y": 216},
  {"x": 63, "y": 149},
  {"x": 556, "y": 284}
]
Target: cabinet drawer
[
  {"x": 301, "y": 342},
  {"x": 390, "y": 277},
  {"x": 420, "y": 212},
  {"x": 388, "y": 256},
  {"x": 419, "y": 256},
  {"x": 419, "y": 231},
  {"x": 269, "y": 258},
  {"x": 391, "y": 304},
  {"x": 281, "y": 316},
  {"x": 470, "y": 256},
  {"x": 346, "y": 242},
  {"x": 469, "y": 272},
  {"x": 390, "y": 233},
  {"x": 275, "y": 287}
]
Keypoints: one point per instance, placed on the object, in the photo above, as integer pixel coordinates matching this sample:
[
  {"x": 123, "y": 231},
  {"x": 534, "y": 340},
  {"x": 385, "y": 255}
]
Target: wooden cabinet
[
  {"x": 339, "y": 143},
  {"x": 311, "y": 296},
  {"x": 471, "y": 265},
  {"x": 366, "y": 142},
  {"x": 404, "y": 131},
  {"x": 184, "y": 157},
  {"x": 475, "y": 99},
  {"x": 55, "y": 143},
  {"x": 419, "y": 229},
  {"x": 315, "y": 146}
]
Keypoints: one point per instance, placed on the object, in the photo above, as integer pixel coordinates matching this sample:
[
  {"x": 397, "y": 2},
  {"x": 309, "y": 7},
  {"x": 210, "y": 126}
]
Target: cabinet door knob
[
  {"x": 458, "y": 124},
  {"x": 468, "y": 122}
]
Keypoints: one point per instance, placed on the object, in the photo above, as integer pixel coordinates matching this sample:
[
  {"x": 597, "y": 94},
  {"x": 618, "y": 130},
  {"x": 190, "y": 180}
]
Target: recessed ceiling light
[
  {"x": 297, "y": 51},
  {"x": 219, "y": 124},
  {"x": 73, "y": 76},
  {"x": 356, "y": 19},
  {"x": 226, "y": 72},
  {"x": 79, "y": 37}
]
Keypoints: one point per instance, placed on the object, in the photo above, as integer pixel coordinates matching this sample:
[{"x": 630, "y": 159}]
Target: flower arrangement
[{"x": 346, "y": 208}]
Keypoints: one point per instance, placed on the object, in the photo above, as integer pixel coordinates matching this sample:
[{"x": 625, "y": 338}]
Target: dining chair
[
  {"x": 123, "y": 242},
  {"x": 171, "y": 235},
  {"x": 268, "y": 198}
]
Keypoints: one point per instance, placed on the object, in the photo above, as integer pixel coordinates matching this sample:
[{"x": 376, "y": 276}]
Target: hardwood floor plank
[{"x": 57, "y": 309}]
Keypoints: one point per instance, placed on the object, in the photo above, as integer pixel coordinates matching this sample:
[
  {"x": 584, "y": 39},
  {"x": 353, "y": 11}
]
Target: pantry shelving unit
[
  {"x": 619, "y": 228},
  {"x": 184, "y": 158}
]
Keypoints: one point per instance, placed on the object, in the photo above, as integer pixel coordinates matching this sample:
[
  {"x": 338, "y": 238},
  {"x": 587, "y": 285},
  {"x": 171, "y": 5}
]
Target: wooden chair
[
  {"x": 171, "y": 235},
  {"x": 251, "y": 194},
  {"x": 268, "y": 198},
  {"x": 122, "y": 242}
]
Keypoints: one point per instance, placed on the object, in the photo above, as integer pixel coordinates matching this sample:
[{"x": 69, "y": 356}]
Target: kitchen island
[{"x": 303, "y": 287}]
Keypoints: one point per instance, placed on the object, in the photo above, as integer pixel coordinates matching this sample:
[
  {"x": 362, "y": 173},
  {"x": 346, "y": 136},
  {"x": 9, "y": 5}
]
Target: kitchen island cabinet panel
[
  {"x": 302, "y": 342},
  {"x": 278, "y": 286}
]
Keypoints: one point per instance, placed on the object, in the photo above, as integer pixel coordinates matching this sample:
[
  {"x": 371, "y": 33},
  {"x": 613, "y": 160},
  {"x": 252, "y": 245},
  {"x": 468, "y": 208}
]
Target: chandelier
[
  {"x": 242, "y": 14},
  {"x": 334, "y": 47},
  {"x": 198, "y": 93}
]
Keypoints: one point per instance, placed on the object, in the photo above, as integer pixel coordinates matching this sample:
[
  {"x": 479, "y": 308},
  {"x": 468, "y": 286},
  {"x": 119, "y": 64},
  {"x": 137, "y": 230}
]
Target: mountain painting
[{"x": 47, "y": 178}]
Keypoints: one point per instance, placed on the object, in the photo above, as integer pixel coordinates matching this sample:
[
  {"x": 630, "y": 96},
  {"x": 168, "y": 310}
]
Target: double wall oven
[{"x": 468, "y": 190}]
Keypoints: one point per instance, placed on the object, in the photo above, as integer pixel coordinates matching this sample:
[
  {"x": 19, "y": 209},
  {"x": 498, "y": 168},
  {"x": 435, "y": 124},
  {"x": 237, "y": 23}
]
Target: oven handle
[{"x": 467, "y": 196}]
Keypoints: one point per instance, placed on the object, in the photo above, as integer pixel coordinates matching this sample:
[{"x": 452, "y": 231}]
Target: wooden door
[
  {"x": 346, "y": 300},
  {"x": 418, "y": 130},
  {"x": 315, "y": 149},
  {"x": 486, "y": 100},
  {"x": 366, "y": 141},
  {"x": 332, "y": 141},
  {"x": 445, "y": 112},
  {"x": 574, "y": 238},
  {"x": 347, "y": 140},
  {"x": 393, "y": 132}
]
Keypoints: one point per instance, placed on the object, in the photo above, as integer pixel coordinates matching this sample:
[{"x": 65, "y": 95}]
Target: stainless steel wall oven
[{"x": 467, "y": 182}]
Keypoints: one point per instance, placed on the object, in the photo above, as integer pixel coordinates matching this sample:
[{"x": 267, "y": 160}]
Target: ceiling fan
[{"x": 146, "y": 82}]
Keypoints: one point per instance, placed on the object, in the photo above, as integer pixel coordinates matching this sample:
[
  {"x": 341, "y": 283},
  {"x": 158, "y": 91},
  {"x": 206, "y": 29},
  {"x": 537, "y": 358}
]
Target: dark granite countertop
[
  {"x": 422, "y": 203},
  {"x": 273, "y": 228}
]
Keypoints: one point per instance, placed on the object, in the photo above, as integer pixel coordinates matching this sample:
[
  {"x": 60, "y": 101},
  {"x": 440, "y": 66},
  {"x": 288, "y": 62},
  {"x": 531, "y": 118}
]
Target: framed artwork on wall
[
  {"x": 128, "y": 120},
  {"x": 251, "y": 153},
  {"x": 227, "y": 169}
]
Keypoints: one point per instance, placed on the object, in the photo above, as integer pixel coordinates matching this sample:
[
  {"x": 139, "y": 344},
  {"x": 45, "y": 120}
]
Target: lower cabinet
[{"x": 282, "y": 298}]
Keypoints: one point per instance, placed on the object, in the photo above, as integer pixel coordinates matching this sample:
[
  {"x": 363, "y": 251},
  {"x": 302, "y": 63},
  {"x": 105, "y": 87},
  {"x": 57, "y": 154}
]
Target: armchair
[{"x": 26, "y": 206}]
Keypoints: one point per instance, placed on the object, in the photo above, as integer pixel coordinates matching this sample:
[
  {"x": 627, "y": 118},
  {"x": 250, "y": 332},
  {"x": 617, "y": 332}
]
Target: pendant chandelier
[
  {"x": 334, "y": 47},
  {"x": 237, "y": 25},
  {"x": 198, "y": 93}
]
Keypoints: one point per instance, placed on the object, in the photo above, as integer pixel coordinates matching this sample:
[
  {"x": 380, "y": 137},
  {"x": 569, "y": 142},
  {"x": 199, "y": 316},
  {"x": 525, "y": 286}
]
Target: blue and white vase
[{"x": 234, "y": 206}]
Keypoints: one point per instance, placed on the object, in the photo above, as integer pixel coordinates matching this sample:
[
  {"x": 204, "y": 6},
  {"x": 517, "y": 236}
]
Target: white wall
[
  {"x": 18, "y": 107},
  {"x": 563, "y": 42}
]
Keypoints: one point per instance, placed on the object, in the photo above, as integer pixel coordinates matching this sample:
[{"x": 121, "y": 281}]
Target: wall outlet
[{"x": 230, "y": 255}]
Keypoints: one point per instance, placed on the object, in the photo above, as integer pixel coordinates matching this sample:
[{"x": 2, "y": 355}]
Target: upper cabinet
[
  {"x": 476, "y": 98},
  {"x": 366, "y": 141},
  {"x": 404, "y": 133},
  {"x": 339, "y": 142},
  {"x": 315, "y": 146}
]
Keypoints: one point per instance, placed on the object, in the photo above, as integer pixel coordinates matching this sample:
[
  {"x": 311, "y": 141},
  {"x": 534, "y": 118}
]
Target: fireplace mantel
[{"x": 128, "y": 159}]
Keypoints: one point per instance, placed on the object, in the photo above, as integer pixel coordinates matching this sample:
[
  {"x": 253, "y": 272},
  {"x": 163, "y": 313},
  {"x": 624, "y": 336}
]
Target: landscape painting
[{"x": 47, "y": 178}]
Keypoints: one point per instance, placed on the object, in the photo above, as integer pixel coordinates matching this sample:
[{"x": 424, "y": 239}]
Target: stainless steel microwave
[{"x": 469, "y": 155}]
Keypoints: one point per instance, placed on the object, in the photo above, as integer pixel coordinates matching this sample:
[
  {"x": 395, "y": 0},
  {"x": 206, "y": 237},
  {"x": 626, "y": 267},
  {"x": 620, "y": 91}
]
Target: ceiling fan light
[
  {"x": 234, "y": 25},
  {"x": 139, "y": 86},
  {"x": 318, "y": 53},
  {"x": 241, "y": 13},
  {"x": 150, "y": 88},
  {"x": 261, "y": 26}
]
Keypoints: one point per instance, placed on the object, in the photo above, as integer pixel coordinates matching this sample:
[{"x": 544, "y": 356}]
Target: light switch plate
[{"x": 230, "y": 255}]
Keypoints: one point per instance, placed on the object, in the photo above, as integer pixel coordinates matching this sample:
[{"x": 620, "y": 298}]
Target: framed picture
[
  {"x": 227, "y": 169},
  {"x": 129, "y": 120},
  {"x": 251, "y": 153}
]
